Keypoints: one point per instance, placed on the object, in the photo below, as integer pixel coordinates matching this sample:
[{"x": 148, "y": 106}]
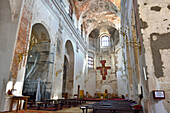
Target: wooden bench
[
  {"x": 68, "y": 102},
  {"x": 39, "y": 104},
  {"x": 30, "y": 104},
  {"x": 111, "y": 105}
]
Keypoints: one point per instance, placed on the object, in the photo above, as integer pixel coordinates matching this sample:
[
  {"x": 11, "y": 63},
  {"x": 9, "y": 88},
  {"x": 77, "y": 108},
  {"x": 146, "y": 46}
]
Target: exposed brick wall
[{"x": 23, "y": 37}]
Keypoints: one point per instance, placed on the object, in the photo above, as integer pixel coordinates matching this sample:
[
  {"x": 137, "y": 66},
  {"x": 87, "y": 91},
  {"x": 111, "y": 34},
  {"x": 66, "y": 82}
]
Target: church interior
[{"x": 82, "y": 50}]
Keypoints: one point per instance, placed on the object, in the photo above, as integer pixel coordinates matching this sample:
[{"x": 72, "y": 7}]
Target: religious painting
[{"x": 103, "y": 69}]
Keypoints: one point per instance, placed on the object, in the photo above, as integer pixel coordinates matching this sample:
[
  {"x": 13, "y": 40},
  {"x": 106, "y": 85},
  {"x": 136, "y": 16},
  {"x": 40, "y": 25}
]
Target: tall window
[
  {"x": 90, "y": 60},
  {"x": 104, "y": 41}
]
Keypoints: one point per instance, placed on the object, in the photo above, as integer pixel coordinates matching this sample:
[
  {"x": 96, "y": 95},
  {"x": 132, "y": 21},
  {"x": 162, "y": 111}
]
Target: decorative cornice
[{"x": 63, "y": 13}]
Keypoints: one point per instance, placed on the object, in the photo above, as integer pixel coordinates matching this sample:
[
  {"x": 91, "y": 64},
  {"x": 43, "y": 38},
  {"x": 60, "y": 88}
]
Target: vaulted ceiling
[{"x": 96, "y": 13}]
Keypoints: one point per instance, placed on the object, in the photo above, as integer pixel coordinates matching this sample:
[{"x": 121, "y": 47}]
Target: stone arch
[
  {"x": 106, "y": 86},
  {"x": 65, "y": 73},
  {"x": 38, "y": 62},
  {"x": 69, "y": 58},
  {"x": 94, "y": 37}
]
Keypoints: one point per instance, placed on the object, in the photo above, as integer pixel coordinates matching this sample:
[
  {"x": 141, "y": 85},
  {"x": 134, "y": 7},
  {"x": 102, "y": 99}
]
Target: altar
[
  {"x": 105, "y": 95},
  {"x": 102, "y": 95}
]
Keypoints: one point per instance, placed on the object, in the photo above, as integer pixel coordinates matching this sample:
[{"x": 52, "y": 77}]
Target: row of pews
[
  {"x": 113, "y": 106},
  {"x": 56, "y": 103}
]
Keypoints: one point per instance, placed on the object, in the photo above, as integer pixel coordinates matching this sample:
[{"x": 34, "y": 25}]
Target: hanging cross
[{"x": 103, "y": 69}]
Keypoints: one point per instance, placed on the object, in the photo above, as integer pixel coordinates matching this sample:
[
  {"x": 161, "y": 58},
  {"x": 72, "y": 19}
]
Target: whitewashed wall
[{"x": 10, "y": 15}]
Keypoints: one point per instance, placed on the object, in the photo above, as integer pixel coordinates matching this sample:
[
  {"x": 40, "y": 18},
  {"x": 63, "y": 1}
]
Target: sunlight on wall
[
  {"x": 56, "y": 97},
  {"x": 9, "y": 85},
  {"x": 84, "y": 65},
  {"x": 18, "y": 87}
]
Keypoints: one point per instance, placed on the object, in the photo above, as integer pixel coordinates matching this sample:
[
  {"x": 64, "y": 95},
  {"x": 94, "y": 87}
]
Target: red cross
[{"x": 103, "y": 69}]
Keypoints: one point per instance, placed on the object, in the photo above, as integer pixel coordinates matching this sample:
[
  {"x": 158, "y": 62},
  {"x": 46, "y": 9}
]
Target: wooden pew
[{"x": 111, "y": 105}]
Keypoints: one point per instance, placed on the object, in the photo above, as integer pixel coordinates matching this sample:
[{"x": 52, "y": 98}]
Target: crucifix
[{"x": 103, "y": 69}]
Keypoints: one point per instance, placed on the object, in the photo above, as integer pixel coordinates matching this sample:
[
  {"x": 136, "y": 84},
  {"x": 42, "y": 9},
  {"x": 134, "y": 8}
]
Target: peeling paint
[
  {"x": 22, "y": 39},
  {"x": 144, "y": 24},
  {"x": 156, "y": 8},
  {"x": 168, "y": 6}
]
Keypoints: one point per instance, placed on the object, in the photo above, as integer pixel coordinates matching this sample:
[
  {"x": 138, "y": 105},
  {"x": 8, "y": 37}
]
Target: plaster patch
[
  {"x": 144, "y": 24},
  {"x": 165, "y": 57},
  {"x": 168, "y": 6},
  {"x": 161, "y": 43},
  {"x": 156, "y": 8}
]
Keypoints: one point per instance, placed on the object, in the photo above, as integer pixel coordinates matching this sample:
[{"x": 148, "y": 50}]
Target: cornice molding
[{"x": 58, "y": 6}]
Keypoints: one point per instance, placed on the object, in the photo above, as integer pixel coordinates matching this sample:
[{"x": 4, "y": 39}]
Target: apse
[{"x": 96, "y": 35}]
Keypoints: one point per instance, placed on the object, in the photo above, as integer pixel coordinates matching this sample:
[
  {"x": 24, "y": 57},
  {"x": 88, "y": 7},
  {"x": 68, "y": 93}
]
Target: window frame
[
  {"x": 105, "y": 42},
  {"x": 90, "y": 62}
]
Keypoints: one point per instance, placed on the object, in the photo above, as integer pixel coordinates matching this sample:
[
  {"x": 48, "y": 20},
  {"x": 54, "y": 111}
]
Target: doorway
[{"x": 68, "y": 70}]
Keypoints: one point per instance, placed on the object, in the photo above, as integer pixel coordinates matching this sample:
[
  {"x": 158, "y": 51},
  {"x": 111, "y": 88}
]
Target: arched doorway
[
  {"x": 65, "y": 72},
  {"x": 36, "y": 82},
  {"x": 68, "y": 74},
  {"x": 106, "y": 87}
]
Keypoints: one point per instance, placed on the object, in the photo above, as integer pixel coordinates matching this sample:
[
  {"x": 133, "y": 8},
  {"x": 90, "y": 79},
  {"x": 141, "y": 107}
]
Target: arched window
[
  {"x": 90, "y": 60},
  {"x": 104, "y": 37},
  {"x": 104, "y": 41}
]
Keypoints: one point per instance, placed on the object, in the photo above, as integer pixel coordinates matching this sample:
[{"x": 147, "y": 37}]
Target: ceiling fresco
[{"x": 96, "y": 13}]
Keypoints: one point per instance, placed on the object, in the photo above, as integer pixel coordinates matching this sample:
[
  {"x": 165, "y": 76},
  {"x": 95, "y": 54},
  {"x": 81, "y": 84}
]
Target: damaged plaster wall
[
  {"x": 156, "y": 37},
  {"x": 111, "y": 80},
  {"x": 90, "y": 82}
]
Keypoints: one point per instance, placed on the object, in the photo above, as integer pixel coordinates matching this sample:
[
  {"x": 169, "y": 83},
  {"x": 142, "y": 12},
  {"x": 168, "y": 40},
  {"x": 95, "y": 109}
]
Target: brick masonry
[{"x": 23, "y": 38}]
